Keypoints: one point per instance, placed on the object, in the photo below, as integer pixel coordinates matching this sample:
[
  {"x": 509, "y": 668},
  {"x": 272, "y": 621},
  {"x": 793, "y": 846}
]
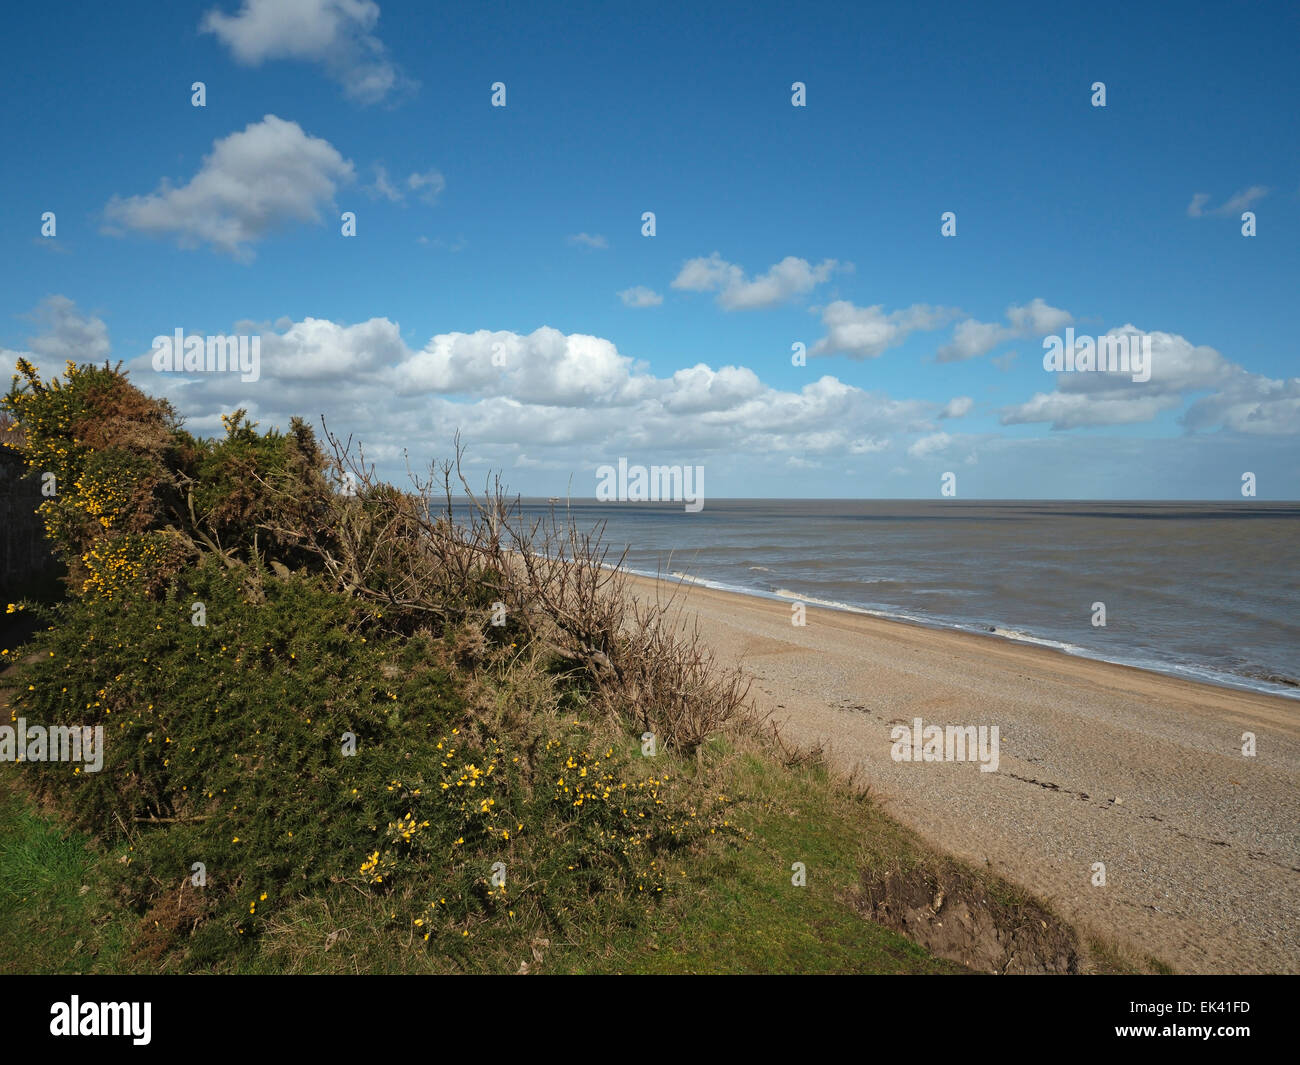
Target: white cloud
[
  {"x": 1239, "y": 401},
  {"x": 640, "y": 296},
  {"x": 1250, "y": 403},
  {"x": 567, "y": 401},
  {"x": 867, "y": 446},
  {"x": 1235, "y": 204},
  {"x": 335, "y": 33},
  {"x": 560, "y": 398},
  {"x": 1036, "y": 318},
  {"x": 701, "y": 388},
  {"x": 972, "y": 338},
  {"x": 459, "y": 244},
  {"x": 69, "y": 334},
  {"x": 316, "y": 349},
  {"x": 930, "y": 445},
  {"x": 383, "y": 187},
  {"x": 544, "y": 367},
  {"x": 705, "y": 275},
  {"x": 866, "y": 332},
  {"x": 958, "y": 407},
  {"x": 1176, "y": 366},
  {"x": 1076, "y": 410},
  {"x": 590, "y": 240},
  {"x": 252, "y": 183},
  {"x": 789, "y": 278},
  {"x": 66, "y": 334},
  {"x": 428, "y": 185}
]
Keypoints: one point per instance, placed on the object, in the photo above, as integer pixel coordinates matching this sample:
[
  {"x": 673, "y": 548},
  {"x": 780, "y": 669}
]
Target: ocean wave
[
  {"x": 1270, "y": 676},
  {"x": 836, "y": 604},
  {"x": 689, "y": 579},
  {"x": 1266, "y": 682},
  {"x": 1025, "y": 637}
]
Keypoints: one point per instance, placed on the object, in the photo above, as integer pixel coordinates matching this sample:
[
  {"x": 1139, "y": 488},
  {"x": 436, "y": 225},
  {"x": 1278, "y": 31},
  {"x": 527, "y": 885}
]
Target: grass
[
  {"x": 741, "y": 913},
  {"x": 736, "y": 909},
  {"x": 747, "y": 916},
  {"x": 55, "y": 915},
  {"x": 737, "y": 912}
]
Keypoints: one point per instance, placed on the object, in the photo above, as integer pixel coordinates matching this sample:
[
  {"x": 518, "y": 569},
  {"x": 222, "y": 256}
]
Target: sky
[{"x": 501, "y": 281}]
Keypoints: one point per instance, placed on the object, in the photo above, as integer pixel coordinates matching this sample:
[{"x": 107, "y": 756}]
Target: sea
[{"x": 1205, "y": 591}]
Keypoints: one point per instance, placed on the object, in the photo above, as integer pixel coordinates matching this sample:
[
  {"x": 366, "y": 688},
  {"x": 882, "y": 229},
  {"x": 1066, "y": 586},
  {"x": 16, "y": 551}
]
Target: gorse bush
[
  {"x": 133, "y": 565},
  {"x": 108, "y": 453},
  {"x": 123, "y": 469},
  {"x": 252, "y": 492},
  {"x": 276, "y": 500},
  {"x": 300, "y": 676},
  {"x": 291, "y": 744}
]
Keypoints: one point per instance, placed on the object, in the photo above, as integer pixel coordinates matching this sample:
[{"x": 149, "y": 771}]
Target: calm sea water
[{"x": 1209, "y": 591}]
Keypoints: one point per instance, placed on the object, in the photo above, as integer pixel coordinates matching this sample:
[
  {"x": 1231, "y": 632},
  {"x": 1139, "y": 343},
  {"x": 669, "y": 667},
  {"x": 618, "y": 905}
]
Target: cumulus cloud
[
  {"x": 544, "y": 367},
  {"x": 68, "y": 334},
  {"x": 252, "y": 183},
  {"x": 316, "y": 349},
  {"x": 1036, "y": 318},
  {"x": 701, "y": 388},
  {"x": 957, "y": 407},
  {"x": 640, "y": 296},
  {"x": 567, "y": 400},
  {"x": 65, "y": 334},
  {"x": 589, "y": 240},
  {"x": 1249, "y": 403},
  {"x": 866, "y": 332},
  {"x": 1238, "y": 202},
  {"x": 1076, "y": 410},
  {"x": 1239, "y": 400},
  {"x": 972, "y": 338},
  {"x": 334, "y": 33},
  {"x": 1177, "y": 366},
  {"x": 789, "y": 278}
]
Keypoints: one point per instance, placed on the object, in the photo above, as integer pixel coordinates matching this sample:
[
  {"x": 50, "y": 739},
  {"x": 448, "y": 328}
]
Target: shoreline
[
  {"x": 1100, "y": 762},
  {"x": 1214, "y": 679}
]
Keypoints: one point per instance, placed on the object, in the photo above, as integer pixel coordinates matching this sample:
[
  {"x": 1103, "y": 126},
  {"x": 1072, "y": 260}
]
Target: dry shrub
[
  {"x": 671, "y": 684},
  {"x": 424, "y": 555}
]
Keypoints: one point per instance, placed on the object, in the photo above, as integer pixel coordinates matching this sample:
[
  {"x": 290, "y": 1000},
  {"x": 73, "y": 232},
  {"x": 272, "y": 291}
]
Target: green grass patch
[
  {"x": 55, "y": 911},
  {"x": 732, "y": 906},
  {"x": 741, "y": 911}
]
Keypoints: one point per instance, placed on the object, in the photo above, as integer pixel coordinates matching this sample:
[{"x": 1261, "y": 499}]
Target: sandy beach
[{"x": 1098, "y": 763}]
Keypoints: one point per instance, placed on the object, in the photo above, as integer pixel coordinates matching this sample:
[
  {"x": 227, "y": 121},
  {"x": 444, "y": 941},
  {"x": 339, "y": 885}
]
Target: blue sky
[{"x": 516, "y": 231}]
